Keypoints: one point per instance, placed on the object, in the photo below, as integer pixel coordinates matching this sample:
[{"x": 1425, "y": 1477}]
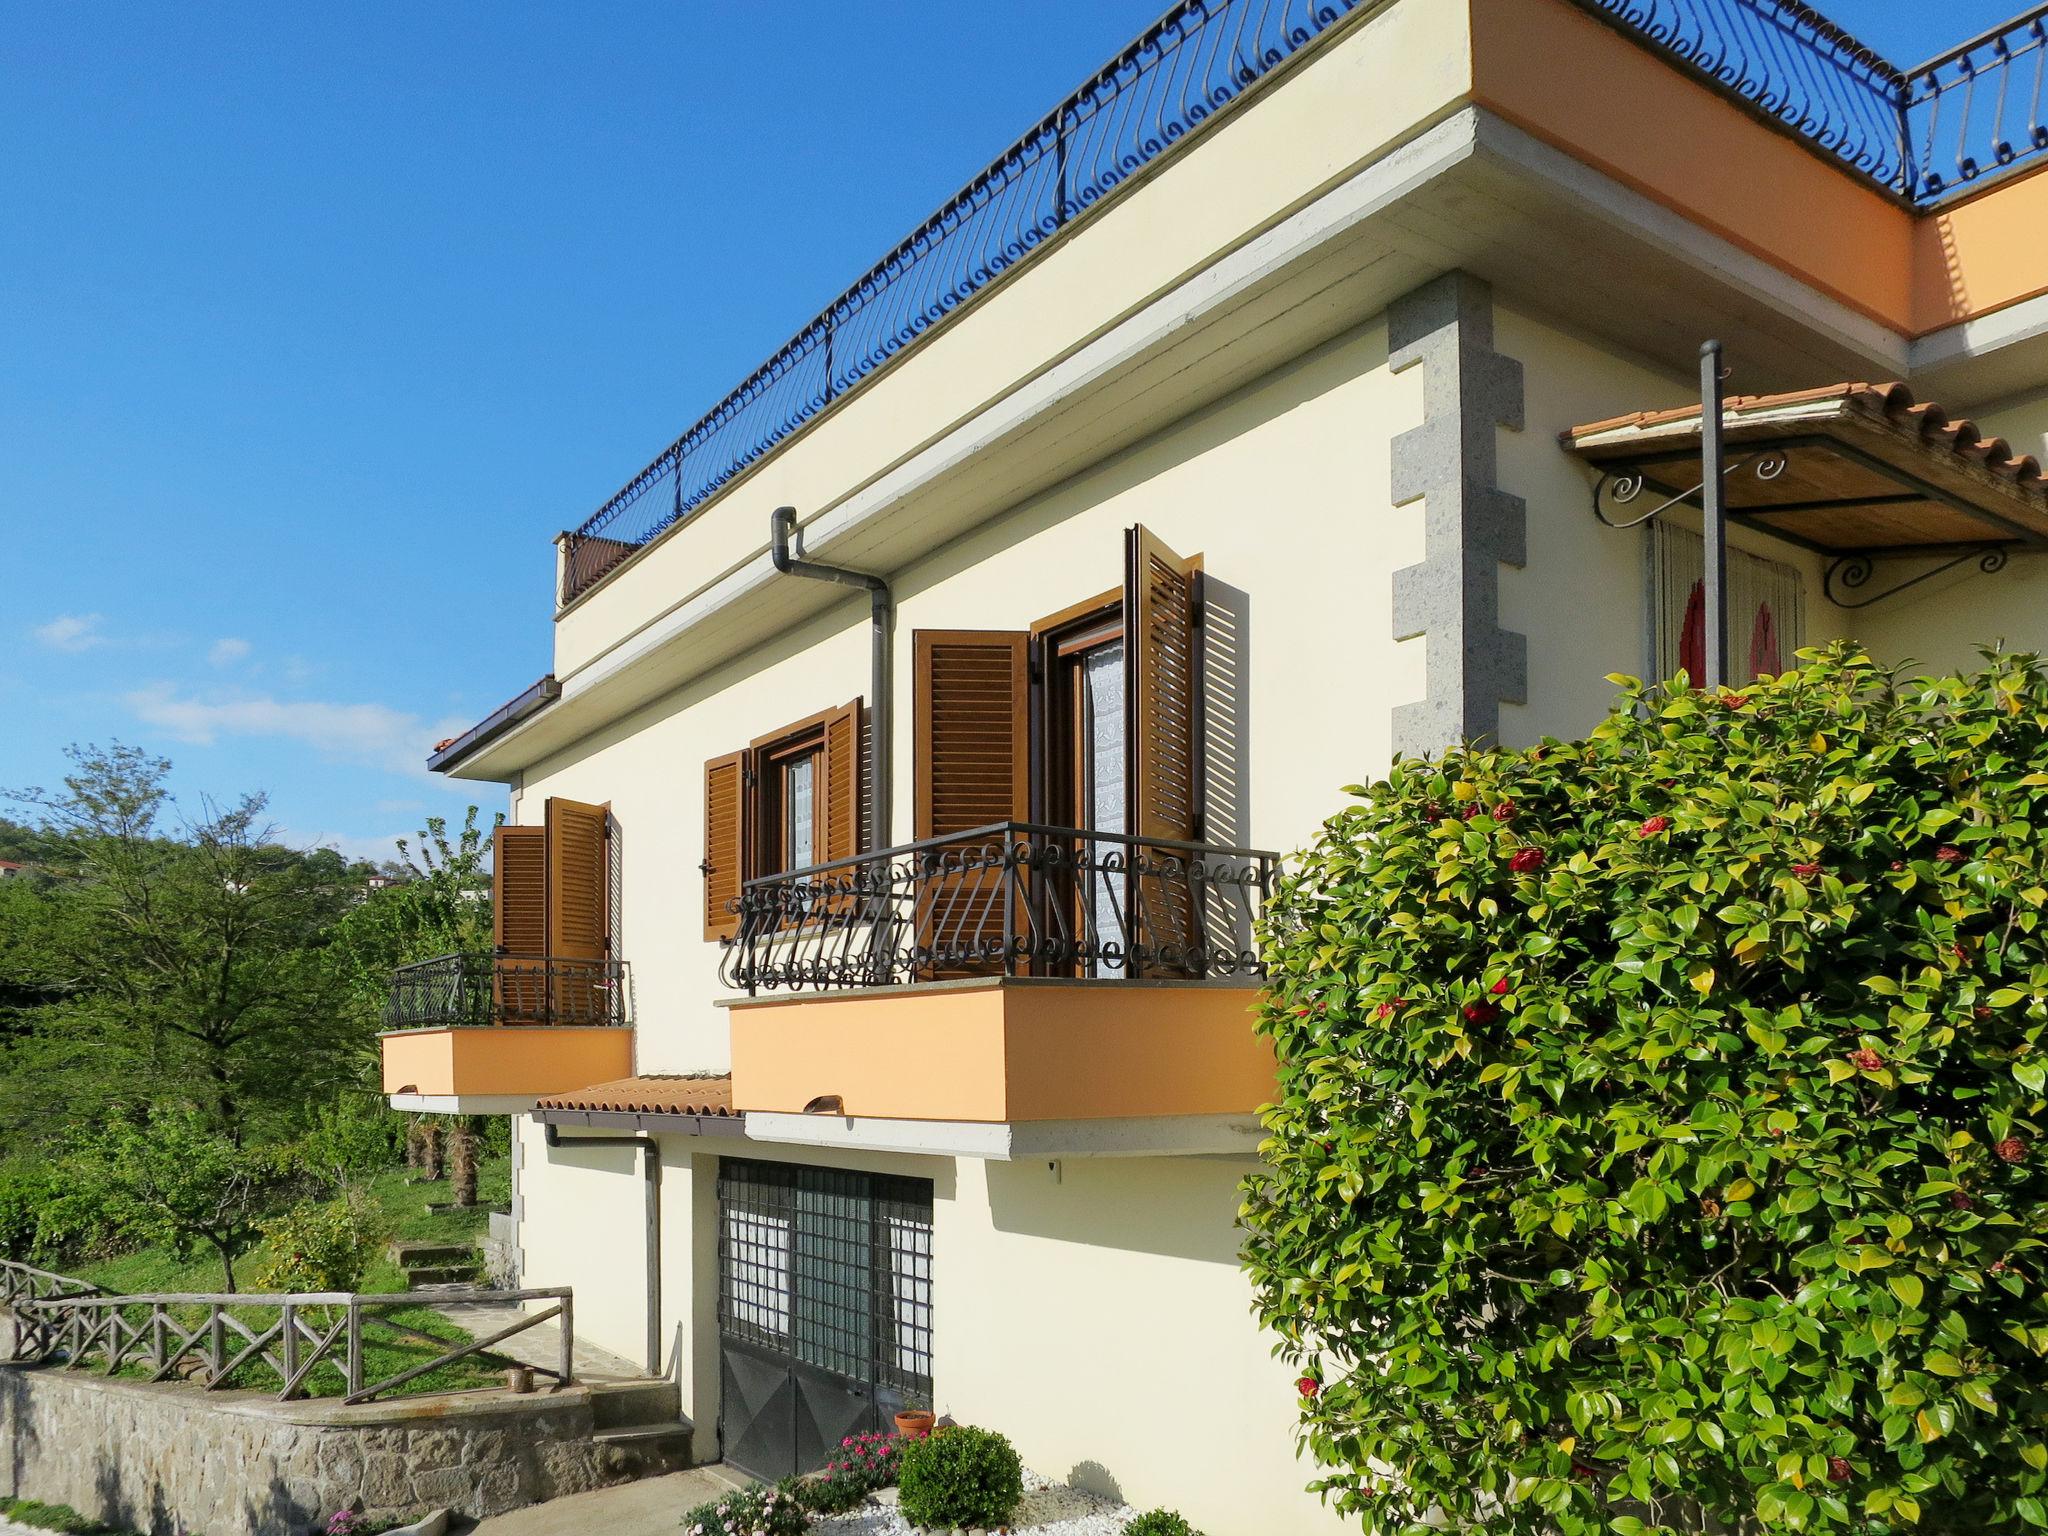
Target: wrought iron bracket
[
  {"x": 1851, "y": 573},
  {"x": 1617, "y": 488}
]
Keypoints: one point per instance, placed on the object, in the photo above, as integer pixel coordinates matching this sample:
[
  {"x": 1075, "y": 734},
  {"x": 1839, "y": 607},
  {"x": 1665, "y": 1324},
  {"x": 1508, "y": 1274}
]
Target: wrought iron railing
[
  {"x": 1190, "y": 64},
  {"x": 471, "y": 991},
  {"x": 1009, "y": 899},
  {"x": 1977, "y": 108},
  {"x": 1924, "y": 133}
]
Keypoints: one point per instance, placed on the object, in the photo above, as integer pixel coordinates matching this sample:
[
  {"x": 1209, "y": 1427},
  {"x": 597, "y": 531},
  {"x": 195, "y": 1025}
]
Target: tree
[
  {"x": 444, "y": 907},
  {"x": 189, "y": 960},
  {"x": 1659, "y": 1135},
  {"x": 173, "y": 1180}
]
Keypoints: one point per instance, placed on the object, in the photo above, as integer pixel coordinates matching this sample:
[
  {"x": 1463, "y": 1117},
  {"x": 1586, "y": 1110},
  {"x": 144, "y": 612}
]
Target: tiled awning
[
  {"x": 1850, "y": 469},
  {"x": 680, "y": 1094}
]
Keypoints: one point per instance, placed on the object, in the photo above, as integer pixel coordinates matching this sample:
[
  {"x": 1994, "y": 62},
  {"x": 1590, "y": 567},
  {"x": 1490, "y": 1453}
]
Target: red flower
[
  {"x": 1499, "y": 988},
  {"x": 1948, "y": 853},
  {"x": 1526, "y": 860},
  {"x": 1653, "y": 826},
  {"x": 1983, "y": 1010},
  {"x": 1737, "y": 700},
  {"x": 2011, "y": 1150},
  {"x": 1432, "y": 812},
  {"x": 1386, "y": 1009},
  {"x": 1839, "y": 1470},
  {"x": 1505, "y": 811},
  {"x": 1806, "y": 871},
  {"x": 2000, "y": 1268},
  {"x": 1472, "y": 810},
  {"x": 1961, "y": 1201},
  {"x": 1308, "y": 1386},
  {"x": 1865, "y": 1060},
  {"x": 1481, "y": 1013},
  {"x": 1898, "y": 864}
]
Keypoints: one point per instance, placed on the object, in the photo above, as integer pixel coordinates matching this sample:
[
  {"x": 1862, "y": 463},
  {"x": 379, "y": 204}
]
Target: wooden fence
[{"x": 206, "y": 1338}]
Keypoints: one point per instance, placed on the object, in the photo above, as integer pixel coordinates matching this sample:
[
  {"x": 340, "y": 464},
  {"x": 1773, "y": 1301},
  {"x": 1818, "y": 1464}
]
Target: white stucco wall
[{"x": 1283, "y": 487}]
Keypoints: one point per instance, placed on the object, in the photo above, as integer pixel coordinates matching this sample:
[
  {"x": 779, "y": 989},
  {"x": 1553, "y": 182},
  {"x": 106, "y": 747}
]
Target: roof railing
[
  {"x": 1922, "y": 135},
  {"x": 1976, "y": 109},
  {"x": 1180, "y": 72}
]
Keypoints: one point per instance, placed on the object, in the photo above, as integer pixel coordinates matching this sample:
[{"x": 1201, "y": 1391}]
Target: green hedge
[{"x": 1660, "y": 1118}]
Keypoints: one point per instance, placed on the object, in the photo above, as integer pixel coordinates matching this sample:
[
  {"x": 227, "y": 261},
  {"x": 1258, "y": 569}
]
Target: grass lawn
[
  {"x": 56, "y": 1517},
  {"x": 386, "y": 1351}
]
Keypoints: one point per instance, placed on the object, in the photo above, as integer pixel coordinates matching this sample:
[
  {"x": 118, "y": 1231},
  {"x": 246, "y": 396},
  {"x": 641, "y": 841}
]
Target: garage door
[{"x": 824, "y": 1308}]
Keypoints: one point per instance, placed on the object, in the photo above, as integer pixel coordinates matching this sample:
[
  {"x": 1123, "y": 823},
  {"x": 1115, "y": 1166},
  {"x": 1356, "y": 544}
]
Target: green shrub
[
  {"x": 1660, "y": 1119},
  {"x": 750, "y": 1512},
  {"x": 61, "y": 1518},
  {"x": 26, "y": 1189},
  {"x": 325, "y": 1245},
  {"x": 1159, "y": 1522},
  {"x": 959, "y": 1475}
]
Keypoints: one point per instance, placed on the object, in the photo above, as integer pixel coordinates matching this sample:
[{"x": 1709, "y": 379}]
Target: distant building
[{"x": 9, "y": 869}]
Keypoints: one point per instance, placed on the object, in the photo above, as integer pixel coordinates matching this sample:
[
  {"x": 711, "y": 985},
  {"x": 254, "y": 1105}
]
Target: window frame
[{"x": 770, "y": 758}]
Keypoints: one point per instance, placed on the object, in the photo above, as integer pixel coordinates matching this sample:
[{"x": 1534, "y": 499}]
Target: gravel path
[{"x": 1049, "y": 1509}]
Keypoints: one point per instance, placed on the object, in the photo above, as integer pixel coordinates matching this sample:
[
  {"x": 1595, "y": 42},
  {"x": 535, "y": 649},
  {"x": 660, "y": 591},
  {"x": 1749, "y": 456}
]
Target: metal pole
[{"x": 1715, "y": 581}]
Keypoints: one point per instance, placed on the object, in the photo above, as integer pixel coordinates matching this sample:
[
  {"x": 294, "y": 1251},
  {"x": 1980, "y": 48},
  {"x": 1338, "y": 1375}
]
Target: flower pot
[{"x": 914, "y": 1423}]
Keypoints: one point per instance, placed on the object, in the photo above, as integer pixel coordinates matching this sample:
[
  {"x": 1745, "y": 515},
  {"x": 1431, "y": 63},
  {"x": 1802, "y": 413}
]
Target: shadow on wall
[
  {"x": 1093, "y": 1477},
  {"x": 1178, "y": 1207}
]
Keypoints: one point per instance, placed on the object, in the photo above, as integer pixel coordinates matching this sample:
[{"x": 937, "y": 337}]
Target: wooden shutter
[
  {"x": 842, "y": 784},
  {"x": 1162, "y": 658},
  {"x": 971, "y": 691},
  {"x": 725, "y": 842},
  {"x": 972, "y": 768},
  {"x": 579, "y": 911},
  {"x": 519, "y": 924}
]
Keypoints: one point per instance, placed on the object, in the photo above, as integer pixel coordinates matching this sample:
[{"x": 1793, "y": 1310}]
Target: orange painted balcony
[
  {"x": 487, "y": 1034},
  {"x": 1013, "y": 973}
]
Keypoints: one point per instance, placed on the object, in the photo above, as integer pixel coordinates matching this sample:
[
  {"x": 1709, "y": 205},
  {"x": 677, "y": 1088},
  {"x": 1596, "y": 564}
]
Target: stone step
[
  {"x": 646, "y": 1448},
  {"x": 438, "y": 1274},
  {"x": 407, "y": 1254},
  {"x": 636, "y": 1404}
]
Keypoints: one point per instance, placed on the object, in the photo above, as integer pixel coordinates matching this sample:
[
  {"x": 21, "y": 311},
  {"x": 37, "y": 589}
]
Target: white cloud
[
  {"x": 226, "y": 652},
  {"x": 72, "y": 632},
  {"x": 374, "y": 734}
]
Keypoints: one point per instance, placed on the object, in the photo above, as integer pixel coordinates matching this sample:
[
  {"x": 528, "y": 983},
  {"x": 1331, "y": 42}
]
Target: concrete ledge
[{"x": 1153, "y": 1136}]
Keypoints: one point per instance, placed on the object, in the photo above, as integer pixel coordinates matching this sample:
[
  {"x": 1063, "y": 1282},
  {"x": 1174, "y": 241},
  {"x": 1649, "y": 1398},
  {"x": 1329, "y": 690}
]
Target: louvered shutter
[
  {"x": 1162, "y": 657},
  {"x": 972, "y": 689},
  {"x": 845, "y": 802},
  {"x": 579, "y": 911},
  {"x": 519, "y": 923},
  {"x": 725, "y": 842}
]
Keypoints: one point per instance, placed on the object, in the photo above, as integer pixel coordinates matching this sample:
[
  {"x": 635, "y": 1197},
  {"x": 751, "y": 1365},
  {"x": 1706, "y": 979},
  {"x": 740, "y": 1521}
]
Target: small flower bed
[
  {"x": 750, "y": 1512},
  {"x": 865, "y": 1464}
]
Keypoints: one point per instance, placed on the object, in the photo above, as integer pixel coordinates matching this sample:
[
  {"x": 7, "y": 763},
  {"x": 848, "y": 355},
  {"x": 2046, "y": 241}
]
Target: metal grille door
[{"x": 824, "y": 1308}]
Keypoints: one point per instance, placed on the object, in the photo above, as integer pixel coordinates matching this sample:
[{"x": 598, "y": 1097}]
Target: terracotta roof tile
[
  {"x": 685, "y": 1093},
  {"x": 1892, "y": 402}
]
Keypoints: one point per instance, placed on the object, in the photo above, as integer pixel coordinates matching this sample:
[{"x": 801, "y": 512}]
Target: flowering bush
[
  {"x": 749, "y": 1512},
  {"x": 864, "y": 1463},
  {"x": 1693, "y": 1169},
  {"x": 959, "y": 1475}
]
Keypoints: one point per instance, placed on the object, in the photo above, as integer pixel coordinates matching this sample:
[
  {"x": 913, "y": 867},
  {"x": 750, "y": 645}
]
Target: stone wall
[{"x": 173, "y": 1461}]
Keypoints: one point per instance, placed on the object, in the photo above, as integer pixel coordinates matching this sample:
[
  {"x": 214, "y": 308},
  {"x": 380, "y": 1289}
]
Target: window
[
  {"x": 1085, "y": 731},
  {"x": 1766, "y": 609},
  {"x": 791, "y": 800},
  {"x": 552, "y": 887}
]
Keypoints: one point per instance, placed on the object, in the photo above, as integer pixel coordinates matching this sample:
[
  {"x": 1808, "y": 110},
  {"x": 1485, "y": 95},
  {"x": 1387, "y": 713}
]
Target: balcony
[
  {"x": 1015, "y": 975},
  {"x": 490, "y": 1034}
]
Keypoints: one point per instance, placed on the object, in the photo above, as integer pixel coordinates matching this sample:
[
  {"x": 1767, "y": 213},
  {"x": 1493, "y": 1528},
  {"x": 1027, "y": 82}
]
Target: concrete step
[
  {"x": 439, "y": 1274},
  {"x": 408, "y": 1254},
  {"x": 636, "y": 1404},
  {"x": 644, "y": 1449}
]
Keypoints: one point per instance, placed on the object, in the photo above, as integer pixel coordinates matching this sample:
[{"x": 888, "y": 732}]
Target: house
[
  {"x": 1321, "y": 382},
  {"x": 10, "y": 870}
]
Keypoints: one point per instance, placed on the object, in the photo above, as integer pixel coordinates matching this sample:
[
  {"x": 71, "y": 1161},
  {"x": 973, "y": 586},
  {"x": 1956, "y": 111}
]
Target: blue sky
[{"x": 317, "y": 324}]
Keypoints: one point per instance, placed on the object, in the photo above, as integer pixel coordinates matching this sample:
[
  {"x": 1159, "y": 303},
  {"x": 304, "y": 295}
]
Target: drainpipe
[
  {"x": 881, "y": 608},
  {"x": 651, "y": 1180}
]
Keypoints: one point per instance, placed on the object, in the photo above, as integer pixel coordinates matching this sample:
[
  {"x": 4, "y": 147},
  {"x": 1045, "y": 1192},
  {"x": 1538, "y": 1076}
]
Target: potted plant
[{"x": 914, "y": 1419}]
